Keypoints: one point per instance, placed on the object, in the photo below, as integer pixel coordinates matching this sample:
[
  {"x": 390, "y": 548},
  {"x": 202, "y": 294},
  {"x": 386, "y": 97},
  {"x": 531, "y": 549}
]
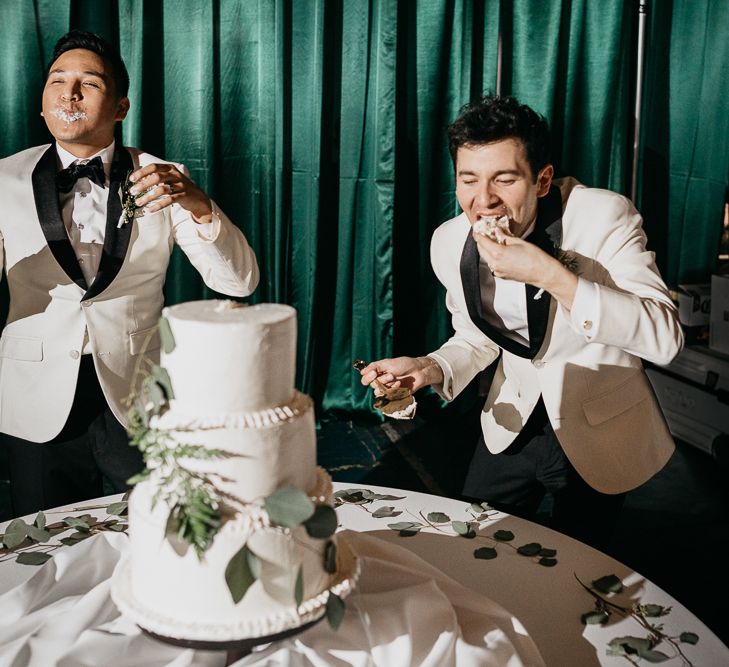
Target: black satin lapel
[
  {"x": 116, "y": 239},
  {"x": 546, "y": 235},
  {"x": 49, "y": 216},
  {"x": 472, "y": 294}
]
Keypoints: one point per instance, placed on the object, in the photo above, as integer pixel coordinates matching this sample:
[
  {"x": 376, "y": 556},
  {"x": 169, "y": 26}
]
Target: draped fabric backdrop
[{"x": 318, "y": 125}]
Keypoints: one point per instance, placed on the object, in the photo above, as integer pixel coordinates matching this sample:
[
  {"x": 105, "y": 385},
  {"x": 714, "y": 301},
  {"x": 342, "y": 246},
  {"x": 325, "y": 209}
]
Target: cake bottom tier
[{"x": 168, "y": 590}]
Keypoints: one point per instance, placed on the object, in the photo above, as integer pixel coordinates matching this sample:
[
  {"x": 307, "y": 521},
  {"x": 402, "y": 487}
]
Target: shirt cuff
[
  {"x": 585, "y": 313},
  {"x": 444, "y": 390},
  {"x": 208, "y": 231}
]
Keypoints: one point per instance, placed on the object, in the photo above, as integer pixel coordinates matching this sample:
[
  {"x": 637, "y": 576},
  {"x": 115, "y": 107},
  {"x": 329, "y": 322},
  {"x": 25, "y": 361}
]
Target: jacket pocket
[
  {"x": 146, "y": 340},
  {"x": 616, "y": 401},
  {"x": 21, "y": 348}
]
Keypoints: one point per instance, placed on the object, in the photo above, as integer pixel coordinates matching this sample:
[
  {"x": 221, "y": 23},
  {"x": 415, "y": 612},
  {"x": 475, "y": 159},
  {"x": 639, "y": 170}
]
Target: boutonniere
[
  {"x": 566, "y": 258},
  {"x": 130, "y": 210}
]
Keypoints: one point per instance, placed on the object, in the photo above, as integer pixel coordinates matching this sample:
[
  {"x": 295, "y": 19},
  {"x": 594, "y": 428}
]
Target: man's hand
[
  {"x": 516, "y": 259},
  {"x": 161, "y": 185},
  {"x": 412, "y": 372}
]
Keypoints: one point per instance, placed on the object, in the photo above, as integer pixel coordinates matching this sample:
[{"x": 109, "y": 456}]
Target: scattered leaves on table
[{"x": 656, "y": 646}]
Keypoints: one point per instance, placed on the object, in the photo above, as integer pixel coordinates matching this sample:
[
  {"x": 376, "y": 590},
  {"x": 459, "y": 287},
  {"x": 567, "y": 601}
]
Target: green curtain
[
  {"x": 569, "y": 60},
  {"x": 318, "y": 126},
  {"x": 685, "y": 162}
]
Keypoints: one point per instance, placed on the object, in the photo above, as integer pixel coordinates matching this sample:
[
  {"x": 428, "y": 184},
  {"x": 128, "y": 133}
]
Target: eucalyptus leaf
[
  {"x": 288, "y": 507},
  {"x": 38, "y": 534},
  {"x": 352, "y": 496},
  {"x": 485, "y": 553},
  {"x": 33, "y": 558},
  {"x": 405, "y": 525},
  {"x": 476, "y": 507},
  {"x": 166, "y": 337},
  {"x": 384, "y": 496},
  {"x": 530, "y": 549},
  {"x": 652, "y": 610},
  {"x": 385, "y": 511},
  {"x": 547, "y": 562},
  {"x": 654, "y": 656},
  {"x": 595, "y": 617},
  {"x": 299, "y": 587},
  {"x": 238, "y": 574},
  {"x": 503, "y": 535},
  {"x": 156, "y": 396},
  {"x": 162, "y": 378},
  {"x": 330, "y": 557},
  {"x": 335, "y": 610},
  {"x": 547, "y": 553},
  {"x": 323, "y": 523},
  {"x": 438, "y": 517},
  {"x": 77, "y": 523},
  {"x": 628, "y": 646},
  {"x": 15, "y": 533},
  {"x": 689, "y": 638},
  {"x": 463, "y": 529},
  {"x": 608, "y": 584},
  {"x": 40, "y": 520},
  {"x": 118, "y": 509},
  {"x": 117, "y": 527}
]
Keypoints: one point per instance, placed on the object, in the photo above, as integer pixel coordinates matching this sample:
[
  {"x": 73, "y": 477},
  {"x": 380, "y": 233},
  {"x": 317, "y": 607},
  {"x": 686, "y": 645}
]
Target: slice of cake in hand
[
  {"x": 496, "y": 227},
  {"x": 394, "y": 402},
  {"x": 231, "y": 524}
]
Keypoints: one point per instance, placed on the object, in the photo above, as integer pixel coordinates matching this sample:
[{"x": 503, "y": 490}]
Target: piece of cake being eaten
[{"x": 495, "y": 227}]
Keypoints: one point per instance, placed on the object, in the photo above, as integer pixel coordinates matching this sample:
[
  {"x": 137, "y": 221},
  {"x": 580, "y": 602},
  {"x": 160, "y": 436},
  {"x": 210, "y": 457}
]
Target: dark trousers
[
  {"x": 90, "y": 457},
  {"x": 533, "y": 467}
]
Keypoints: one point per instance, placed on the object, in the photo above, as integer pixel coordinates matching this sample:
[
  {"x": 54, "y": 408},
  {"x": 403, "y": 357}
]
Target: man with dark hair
[
  {"x": 553, "y": 280},
  {"x": 87, "y": 230}
]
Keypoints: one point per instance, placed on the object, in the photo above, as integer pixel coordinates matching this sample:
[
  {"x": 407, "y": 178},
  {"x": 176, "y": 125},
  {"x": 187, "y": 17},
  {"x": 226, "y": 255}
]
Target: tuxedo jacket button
[
  {"x": 587, "y": 325},
  {"x": 74, "y": 354},
  {"x": 538, "y": 364}
]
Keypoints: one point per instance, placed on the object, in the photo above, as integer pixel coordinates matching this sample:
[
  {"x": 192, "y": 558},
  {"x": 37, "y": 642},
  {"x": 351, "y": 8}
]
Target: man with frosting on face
[
  {"x": 85, "y": 258},
  {"x": 552, "y": 280}
]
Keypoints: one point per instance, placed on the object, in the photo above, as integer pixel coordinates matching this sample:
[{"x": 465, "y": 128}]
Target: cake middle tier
[{"x": 259, "y": 451}]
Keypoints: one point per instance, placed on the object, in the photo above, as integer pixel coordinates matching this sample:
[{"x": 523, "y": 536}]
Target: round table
[{"x": 547, "y": 599}]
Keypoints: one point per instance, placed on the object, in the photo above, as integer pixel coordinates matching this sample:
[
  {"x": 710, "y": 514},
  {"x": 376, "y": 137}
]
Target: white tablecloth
[{"x": 422, "y": 600}]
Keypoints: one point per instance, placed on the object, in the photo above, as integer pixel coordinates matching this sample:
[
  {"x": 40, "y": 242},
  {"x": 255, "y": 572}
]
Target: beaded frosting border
[
  {"x": 297, "y": 406},
  {"x": 344, "y": 581}
]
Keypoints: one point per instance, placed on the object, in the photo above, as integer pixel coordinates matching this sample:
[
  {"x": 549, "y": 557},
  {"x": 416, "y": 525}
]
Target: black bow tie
[{"x": 93, "y": 170}]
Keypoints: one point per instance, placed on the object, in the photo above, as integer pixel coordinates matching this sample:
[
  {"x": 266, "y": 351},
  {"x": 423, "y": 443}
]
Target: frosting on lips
[{"x": 67, "y": 116}]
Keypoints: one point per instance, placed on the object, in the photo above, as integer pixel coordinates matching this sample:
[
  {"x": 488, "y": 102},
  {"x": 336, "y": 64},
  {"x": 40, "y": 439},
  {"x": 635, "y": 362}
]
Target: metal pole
[
  {"x": 642, "y": 12},
  {"x": 498, "y": 62}
]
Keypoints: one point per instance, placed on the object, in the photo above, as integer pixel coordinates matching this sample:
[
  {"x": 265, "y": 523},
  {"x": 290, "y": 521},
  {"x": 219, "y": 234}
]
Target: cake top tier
[{"x": 230, "y": 358}]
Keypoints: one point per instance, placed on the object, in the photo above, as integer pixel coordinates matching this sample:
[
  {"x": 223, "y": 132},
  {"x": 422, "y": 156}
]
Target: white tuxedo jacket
[
  {"x": 598, "y": 398},
  {"x": 51, "y": 307}
]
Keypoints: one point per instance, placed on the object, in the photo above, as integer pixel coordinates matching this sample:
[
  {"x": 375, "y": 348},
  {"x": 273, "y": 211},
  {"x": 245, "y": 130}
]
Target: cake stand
[{"x": 234, "y": 649}]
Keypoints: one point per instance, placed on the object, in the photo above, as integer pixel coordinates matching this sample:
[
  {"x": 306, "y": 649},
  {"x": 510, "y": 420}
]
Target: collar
[{"x": 106, "y": 154}]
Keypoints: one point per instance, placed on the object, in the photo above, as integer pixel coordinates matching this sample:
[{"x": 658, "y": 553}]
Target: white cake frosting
[
  {"x": 232, "y": 373},
  {"x": 230, "y": 358}
]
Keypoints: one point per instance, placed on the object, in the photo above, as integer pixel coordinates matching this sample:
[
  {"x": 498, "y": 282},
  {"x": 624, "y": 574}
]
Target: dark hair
[
  {"x": 78, "y": 39},
  {"x": 493, "y": 118}
]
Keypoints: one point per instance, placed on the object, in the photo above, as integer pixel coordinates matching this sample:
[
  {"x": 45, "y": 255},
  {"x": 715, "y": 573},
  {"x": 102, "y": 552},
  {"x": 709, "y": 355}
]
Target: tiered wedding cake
[{"x": 268, "y": 563}]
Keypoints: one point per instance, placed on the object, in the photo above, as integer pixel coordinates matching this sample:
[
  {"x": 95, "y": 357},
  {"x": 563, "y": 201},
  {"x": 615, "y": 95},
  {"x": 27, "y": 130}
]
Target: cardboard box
[
  {"x": 694, "y": 304},
  {"x": 719, "y": 324}
]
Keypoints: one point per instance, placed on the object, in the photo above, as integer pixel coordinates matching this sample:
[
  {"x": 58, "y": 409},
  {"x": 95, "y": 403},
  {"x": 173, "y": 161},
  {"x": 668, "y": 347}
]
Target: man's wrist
[{"x": 432, "y": 372}]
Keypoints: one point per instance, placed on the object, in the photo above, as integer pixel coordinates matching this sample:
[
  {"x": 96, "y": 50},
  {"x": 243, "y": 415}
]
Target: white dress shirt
[
  {"x": 84, "y": 212},
  {"x": 508, "y": 312}
]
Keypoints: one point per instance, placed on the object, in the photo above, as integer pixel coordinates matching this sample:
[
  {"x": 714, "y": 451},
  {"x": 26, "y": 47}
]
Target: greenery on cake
[{"x": 198, "y": 508}]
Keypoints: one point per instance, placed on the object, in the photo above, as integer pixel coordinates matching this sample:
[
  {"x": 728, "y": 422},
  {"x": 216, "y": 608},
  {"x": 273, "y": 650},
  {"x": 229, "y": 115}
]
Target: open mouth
[{"x": 68, "y": 116}]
